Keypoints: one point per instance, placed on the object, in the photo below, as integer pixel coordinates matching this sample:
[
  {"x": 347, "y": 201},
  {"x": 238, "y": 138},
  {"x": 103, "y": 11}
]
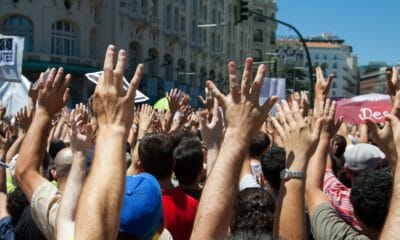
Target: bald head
[{"x": 62, "y": 163}]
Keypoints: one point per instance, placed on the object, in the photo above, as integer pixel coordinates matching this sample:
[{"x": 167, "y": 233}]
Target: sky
[{"x": 372, "y": 28}]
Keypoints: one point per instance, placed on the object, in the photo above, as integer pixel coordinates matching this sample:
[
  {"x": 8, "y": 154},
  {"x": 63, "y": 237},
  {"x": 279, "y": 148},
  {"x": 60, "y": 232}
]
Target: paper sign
[
  {"x": 11, "y": 53},
  {"x": 139, "y": 96}
]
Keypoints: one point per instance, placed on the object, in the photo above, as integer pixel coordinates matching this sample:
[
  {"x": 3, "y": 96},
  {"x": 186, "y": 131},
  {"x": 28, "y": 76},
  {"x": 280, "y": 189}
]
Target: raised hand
[
  {"x": 242, "y": 110},
  {"x": 112, "y": 105},
  {"x": 54, "y": 93},
  {"x": 212, "y": 132},
  {"x": 330, "y": 127},
  {"x": 33, "y": 93},
  {"x": 145, "y": 119},
  {"x": 384, "y": 136},
  {"x": 322, "y": 85},
  {"x": 392, "y": 82},
  {"x": 298, "y": 138},
  {"x": 80, "y": 134},
  {"x": 24, "y": 118},
  {"x": 208, "y": 102},
  {"x": 173, "y": 100}
]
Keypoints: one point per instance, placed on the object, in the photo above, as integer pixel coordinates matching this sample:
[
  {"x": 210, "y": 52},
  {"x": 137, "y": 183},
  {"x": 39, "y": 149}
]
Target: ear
[
  {"x": 139, "y": 166},
  {"x": 53, "y": 173}
]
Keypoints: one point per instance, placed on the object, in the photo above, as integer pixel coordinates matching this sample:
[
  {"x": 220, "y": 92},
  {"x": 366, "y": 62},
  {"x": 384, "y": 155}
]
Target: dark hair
[
  {"x": 249, "y": 235},
  {"x": 370, "y": 197},
  {"x": 254, "y": 211},
  {"x": 272, "y": 163},
  {"x": 258, "y": 144},
  {"x": 188, "y": 158},
  {"x": 16, "y": 203},
  {"x": 178, "y": 135},
  {"x": 341, "y": 142},
  {"x": 155, "y": 154}
]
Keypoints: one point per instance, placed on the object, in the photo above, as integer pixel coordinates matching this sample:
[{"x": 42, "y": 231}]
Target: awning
[{"x": 40, "y": 66}]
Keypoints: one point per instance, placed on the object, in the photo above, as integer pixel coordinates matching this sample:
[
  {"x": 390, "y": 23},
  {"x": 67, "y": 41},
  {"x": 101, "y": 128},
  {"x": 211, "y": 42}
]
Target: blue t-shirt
[{"x": 6, "y": 228}]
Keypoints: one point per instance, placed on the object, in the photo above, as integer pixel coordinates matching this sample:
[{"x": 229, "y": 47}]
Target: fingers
[
  {"x": 330, "y": 79},
  {"x": 269, "y": 104},
  {"x": 120, "y": 69},
  {"x": 278, "y": 128},
  {"x": 108, "y": 78},
  {"x": 203, "y": 118},
  {"x": 50, "y": 79},
  {"x": 255, "y": 89},
  {"x": 135, "y": 82},
  {"x": 317, "y": 128},
  {"x": 58, "y": 79},
  {"x": 371, "y": 124},
  {"x": 288, "y": 114},
  {"x": 216, "y": 93},
  {"x": 246, "y": 78},
  {"x": 233, "y": 83}
]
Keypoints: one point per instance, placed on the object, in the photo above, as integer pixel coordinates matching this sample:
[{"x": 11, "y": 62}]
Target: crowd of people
[{"x": 111, "y": 169}]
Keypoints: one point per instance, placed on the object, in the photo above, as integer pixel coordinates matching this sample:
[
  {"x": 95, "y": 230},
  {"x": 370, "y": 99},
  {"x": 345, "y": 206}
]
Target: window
[
  {"x": 258, "y": 18},
  {"x": 168, "y": 67},
  {"x": 168, "y": 20},
  {"x": 257, "y": 55},
  {"x": 153, "y": 62},
  {"x": 194, "y": 30},
  {"x": 19, "y": 26},
  {"x": 334, "y": 84},
  {"x": 258, "y": 35},
  {"x": 183, "y": 24},
  {"x": 64, "y": 39},
  {"x": 154, "y": 8},
  {"x": 334, "y": 65},
  {"x": 135, "y": 54},
  {"x": 176, "y": 18},
  {"x": 316, "y": 56}
]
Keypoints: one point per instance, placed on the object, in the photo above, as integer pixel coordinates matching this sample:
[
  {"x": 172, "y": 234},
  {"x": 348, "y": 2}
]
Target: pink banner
[{"x": 356, "y": 112}]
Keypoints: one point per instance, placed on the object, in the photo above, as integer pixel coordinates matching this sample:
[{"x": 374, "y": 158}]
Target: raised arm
[
  {"x": 98, "y": 212},
  {"x": 81, "y": 139},
  {"x": 391, "y": 228},
  {"x": 300, "y": 142},
  {"x": 53, "y": 95},
  {"x": 322, "y": 87},
  {"x": 317, "y": 164},
  {"x": 244, "y": 117},
  {"x": 212, "y": 133}
]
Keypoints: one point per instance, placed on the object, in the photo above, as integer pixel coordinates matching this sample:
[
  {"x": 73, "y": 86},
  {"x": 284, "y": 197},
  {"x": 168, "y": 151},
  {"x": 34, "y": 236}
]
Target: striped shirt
[{"x": 339, "y": 196}]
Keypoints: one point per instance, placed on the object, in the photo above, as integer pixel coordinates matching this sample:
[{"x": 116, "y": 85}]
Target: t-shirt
[
  {"x": 326, "y": 224},
  {"x": 6, "y": 228},
  {"x": 179, "y": 211},
  {"x": 339, "y": 196},
  {"x": 26, "y": 228}
]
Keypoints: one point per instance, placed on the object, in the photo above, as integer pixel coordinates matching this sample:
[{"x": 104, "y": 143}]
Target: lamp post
[{"x": 310, "y": 71}]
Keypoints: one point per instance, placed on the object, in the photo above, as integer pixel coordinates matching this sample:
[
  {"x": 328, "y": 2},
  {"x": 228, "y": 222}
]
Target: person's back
[{"x": 179, "y": 212}]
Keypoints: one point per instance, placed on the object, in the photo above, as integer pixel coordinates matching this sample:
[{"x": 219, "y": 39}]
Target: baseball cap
[
  {"x": 363, "y": 156},
  {"x": 141, "y": 213}
]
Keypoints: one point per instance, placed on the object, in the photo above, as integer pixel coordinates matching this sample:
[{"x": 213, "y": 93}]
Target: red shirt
[
  {"x": 339, "y": 196},
  {"x": 179, "y": 212}
]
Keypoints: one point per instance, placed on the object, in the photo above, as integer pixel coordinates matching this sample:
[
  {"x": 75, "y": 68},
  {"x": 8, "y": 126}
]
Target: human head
[
  {"x": 370, "y": 197},
  {"x": 362, "y": 157},
  {"x": 258, "y": 144},
  {"x": 254, "y": 211},
  {"x": 272, "y": 163},
  {"x": 16, "y": 203},
  {"x": 56, "y": 146},
  {"x": 338, "y": 145},
  {"x": 156, "y": 155},
  {"x": 62, "y": 164},
  {"x": 188, "y": 158},
  {"x": 141, "y": 213},
  {"x": 178, "y": 135}
]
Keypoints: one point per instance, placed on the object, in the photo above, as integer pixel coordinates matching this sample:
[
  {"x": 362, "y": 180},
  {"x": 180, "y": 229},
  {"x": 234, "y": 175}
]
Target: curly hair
[
  {"x": 258, "y": 144},
  {"x": 370, "y": 197},
  {"x": 254, "y": 212}
]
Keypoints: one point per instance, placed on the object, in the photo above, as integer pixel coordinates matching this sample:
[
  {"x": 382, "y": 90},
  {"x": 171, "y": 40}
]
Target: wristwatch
[{"x": 287, "y": 174}]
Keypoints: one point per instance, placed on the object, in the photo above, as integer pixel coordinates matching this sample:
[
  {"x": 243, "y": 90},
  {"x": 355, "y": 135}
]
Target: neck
[
  {"x": 166, "y": 183},
  {"x": 61, "y": 184},
  {"x": 194, "y": 185}
]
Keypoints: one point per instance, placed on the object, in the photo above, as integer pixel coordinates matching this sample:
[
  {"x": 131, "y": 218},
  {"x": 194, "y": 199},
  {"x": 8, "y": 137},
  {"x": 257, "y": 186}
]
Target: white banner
[
  {"x": 139, "y": 96},
  {"x": 11, "y": 53}
]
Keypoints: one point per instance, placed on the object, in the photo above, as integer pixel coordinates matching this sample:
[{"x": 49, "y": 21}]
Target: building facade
[
  {"x": 374, "y": 81},
  {"x": 328, "y": 52},
  {"x": 164, "y": 35}
]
